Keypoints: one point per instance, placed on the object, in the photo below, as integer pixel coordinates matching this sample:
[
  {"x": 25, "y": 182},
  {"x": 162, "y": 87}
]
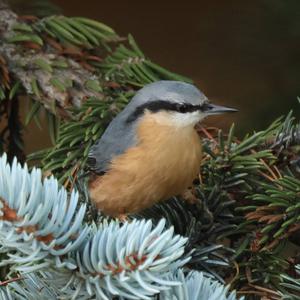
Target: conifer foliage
[{"x": 233, "y": 242}]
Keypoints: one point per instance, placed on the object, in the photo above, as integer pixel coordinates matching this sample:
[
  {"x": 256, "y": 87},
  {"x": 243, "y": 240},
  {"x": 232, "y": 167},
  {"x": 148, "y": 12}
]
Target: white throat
[{"x": 179, "y": 120}]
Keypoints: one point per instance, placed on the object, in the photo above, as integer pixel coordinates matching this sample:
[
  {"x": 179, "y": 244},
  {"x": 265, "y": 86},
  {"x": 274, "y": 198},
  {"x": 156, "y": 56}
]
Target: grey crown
[{"x": 121, "y": 135}]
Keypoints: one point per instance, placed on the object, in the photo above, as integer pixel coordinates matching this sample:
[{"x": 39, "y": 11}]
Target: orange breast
[{"x": 163, "y": 164}]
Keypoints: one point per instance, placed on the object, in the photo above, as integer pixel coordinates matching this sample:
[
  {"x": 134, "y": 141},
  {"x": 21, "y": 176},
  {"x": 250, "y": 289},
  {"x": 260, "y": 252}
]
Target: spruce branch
[
  {"x": 289, "y": 133},
  {"x": 260, "y": 274},
  {"x": 195, "y": 286},
  {"x": 37, "y": 217},
  {"x": 128, "y": 65},
  {"x": 135, "y": 262},
  {"x": 286, "y": 145},
  {"x": 276, "y": 215},
  {"x": 42, "y": 234},
  {"x": 290, "y": 285},
  {"x": 199, "y": 224}
]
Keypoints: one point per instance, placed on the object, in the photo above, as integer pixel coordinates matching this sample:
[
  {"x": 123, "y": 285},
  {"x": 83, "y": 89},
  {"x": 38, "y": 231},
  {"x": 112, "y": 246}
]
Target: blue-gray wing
[{"x": 117, "y": 138}]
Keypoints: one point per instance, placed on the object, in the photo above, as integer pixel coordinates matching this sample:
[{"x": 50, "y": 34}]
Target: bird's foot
[
  {"x": 122, "y": 217},
  {"x": 189, "y": 196}
]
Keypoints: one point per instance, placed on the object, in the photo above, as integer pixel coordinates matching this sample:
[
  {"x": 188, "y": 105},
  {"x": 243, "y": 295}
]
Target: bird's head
[{"x": 173, "y": 102}]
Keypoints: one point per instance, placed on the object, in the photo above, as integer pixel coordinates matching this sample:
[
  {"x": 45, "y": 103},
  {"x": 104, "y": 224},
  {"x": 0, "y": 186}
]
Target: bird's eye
[
  {"x": 206, "y": 107},
  {"x": 182, "y": 108}
]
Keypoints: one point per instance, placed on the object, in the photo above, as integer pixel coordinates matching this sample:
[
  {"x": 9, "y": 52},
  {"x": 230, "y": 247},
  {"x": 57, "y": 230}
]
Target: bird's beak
[{"x": 212, "y": 109}]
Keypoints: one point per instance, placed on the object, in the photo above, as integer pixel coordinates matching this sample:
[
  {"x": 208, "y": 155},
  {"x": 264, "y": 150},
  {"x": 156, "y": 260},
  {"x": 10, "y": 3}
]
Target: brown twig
[{"x": 6, "y": 282}]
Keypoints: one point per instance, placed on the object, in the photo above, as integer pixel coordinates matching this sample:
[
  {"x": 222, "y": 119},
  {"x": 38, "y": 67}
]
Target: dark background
[
  {"x": 240, "y": 53},
  {"x": 244, "y": 54}
]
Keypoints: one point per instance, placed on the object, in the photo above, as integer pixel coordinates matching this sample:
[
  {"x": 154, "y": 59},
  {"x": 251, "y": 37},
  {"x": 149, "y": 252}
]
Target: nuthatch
[{"x": 151, "y": 150}]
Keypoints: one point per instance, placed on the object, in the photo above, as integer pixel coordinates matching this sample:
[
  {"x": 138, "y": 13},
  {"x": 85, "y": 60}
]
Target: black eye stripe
[
  {"x": 185, "y": 108},
  {"x": 159, "y": 105}
]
